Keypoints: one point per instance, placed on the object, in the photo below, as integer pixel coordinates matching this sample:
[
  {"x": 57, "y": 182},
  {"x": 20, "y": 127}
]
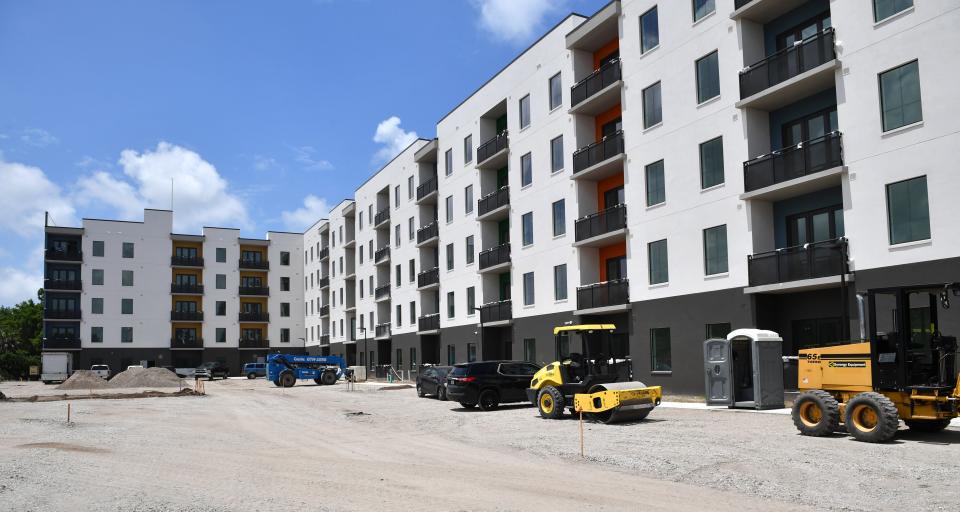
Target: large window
[
  {"x": 221, "y": 254},
  {"x": 98, "y": 247},
  {"x": 649, "y": 30},
  {"x": 556, "y": 91},
  {"x": 556, "y": 154},
  {"x": 468, "y": 200},
  {"x": 715, "y": 250},
  {"x": 411, "y": 230},
  {"x": 900, "y": 96},
  {"x": 471, "y": 352},
  {"x": 908, "y": 214},
  {"x": 559, "y": 218},
  {"x": 525, "y": 111},
  {"x": 126, "y": 335},
  {"x": 448, "y": 202},
  {"x": 96, "y": 275},
  {"x": 702, "y": 8},
  {"x": 449, "y": 256},
  {"x": 470, "y": 249},
  {"x": 883, "y": 9},
  {"x": 526, "y": 169},
  {"x": 656, "y": 188},
  {"x": 708, "y": 77},
  {"x": 711, "y": 163},
  {"x": 652, "y": 112},
  {"x": 128, "y": 249},
  {"x": 96, "y": 335},
  {"x": 471, "y": 300},
  {"x": 468, "y": 149},
  {"x": 96, "y": 305},
  {"x": 126, "y": 306},
  {"x": 126, "y": 278},
  {"x": 450, "y": 305},
  {"x": 529, "y": 297},
  {"x": 447, "y": 164},
  {"x": 660, "y": 350},
  {"x": 560, "y": 282},
  {"x": 526, "y": 225},
  {"x": 659, "y": 269},
  {"x": 451, "y": 355}
]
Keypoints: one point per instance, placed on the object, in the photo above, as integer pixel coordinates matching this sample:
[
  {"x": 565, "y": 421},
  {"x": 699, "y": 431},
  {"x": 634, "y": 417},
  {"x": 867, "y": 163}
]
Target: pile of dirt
[
  {"x": 145, "y": 378},
  {"x": 84, "y": 379}
]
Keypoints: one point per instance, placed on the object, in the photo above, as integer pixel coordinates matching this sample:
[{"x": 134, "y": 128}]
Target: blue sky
[{"x": 265, "y": 113}]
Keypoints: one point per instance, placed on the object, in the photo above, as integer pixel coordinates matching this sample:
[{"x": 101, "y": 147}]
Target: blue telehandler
[{"x": 285, "y": 369}]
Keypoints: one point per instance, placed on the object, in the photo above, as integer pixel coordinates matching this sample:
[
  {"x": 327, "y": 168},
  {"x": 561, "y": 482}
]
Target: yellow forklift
[
  {"x": 907, "y": 370},
  {"x": 597, "y": 381}
]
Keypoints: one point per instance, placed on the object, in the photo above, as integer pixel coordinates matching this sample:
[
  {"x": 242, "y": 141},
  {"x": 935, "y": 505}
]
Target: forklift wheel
[
  {"x": 816, "y": 413},
  {"x": 872, "y": 418},
  {"x": 550, "y": 402},
  {"x": 287, "y": 380},
  {"x": 927, "y": 425},
  {"x": 328, "y": 378}
]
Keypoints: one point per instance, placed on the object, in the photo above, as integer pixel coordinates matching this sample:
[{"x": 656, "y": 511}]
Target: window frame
[
  {"x": 655, "y": 361},
  {"x": 556, "y": 156},
  {"x": 526, "y": 169},
  {"x": 562, "y": 224},
  {"x": 883, "y": 112},
  {"x": 726, "y": 252},
  {"x": 560, "y": 290},
  {"x": 525, "y": 100},
  {"x": 524, "y": 231},
  {"x": 529, "y": 288},
  {"x": 468, "y": 149},
  {"x": 696, "y": 66},
  {"x": 654, "y": 277},
  {"x": 723, "y": 171},
  {"x": 647, "y": 124},
  {"x": 910, "y": 221},
  {"x": 559, "y": 91},
  {"x": 891, "y": 15},
  {"x": 662, "y": 182},
  {"x": 693, "y": 5},
  {"x": 656, "y": 14}
]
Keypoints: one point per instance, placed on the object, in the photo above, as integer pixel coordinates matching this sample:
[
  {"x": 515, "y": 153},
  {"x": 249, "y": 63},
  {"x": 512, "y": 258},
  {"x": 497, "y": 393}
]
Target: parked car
[
  {"x": 432, "y": 380},
  {"x": 102, "y": 370},
  {"x": 211, "y": 370},
  {"x": 490, "y": 383},
  {"x": 254, "y": 370},
  {"x": 135, "y": 367}
]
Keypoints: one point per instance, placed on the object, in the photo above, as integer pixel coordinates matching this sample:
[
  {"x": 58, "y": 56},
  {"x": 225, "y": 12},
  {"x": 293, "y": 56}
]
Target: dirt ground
[{"x": 248, "y": 445}]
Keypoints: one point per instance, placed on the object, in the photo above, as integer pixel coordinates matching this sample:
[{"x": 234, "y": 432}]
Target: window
[
  {"x": 450, "y": 305},
  {"x": 360, "y": 221},
  {"x": 702, "y": 8},
  {"x": 657, "y": 254},
  {"x": 221, "y": 281},
  {"x": 660, "y": 350},
  {"x": 361, "y": 253},
  {"x": 526, "y": 224},
  {"x": 413, "y": 271},
  {"x": 468, "y": 200},
  {"x": 97, "y": 276},
  {"x": 128, "y": 249},
  {"x": 656, "y": 188},
  {"x": 221, "y": 334},
  {"x": 471, "y": 352},
  {"x": 715, "y": 250},
  {"x": 649, "y": 30},
  {"x": 711, "y": 163},
  {"x": 525, "y": 111},
  {"x": 529, "y": 350},
  {"x": 96, "y": 305},
  {"x": 900, "y": 96},
  {"x": 470, "y": 249},
  {"x": 410, "y": 189},
  {"x": 468, "y": 149},
  {"x": 908, "y": 214},
  {"x": 126, "y": 278},
  {"x": 652, "y": 113},
  {"x": 708, "y": 77},
  {"x": 126, "y": 335},
  {"x": 560, "y": 282},
  {"x": 526, "y": 170},
  {"x": 96, "y": 335},
  {"x": 285, "y": 284},
  {"x": 396, "y": 239},
  {"x": 396, "y": 204},
  {"x": 410, "y": 229},
  {"x": 284, "y": 309},
  {"x": 471, "y": 300},
  {"x": 449, "y": 256},
  {"x": 528, "y": 294},
  {"x": 448, "y": 202},
  {"x": 399, "y": 274},
  {"x": 399, "y": 316},
  {"x": 447, "y": 162},
  {"x": 221, "y": 307},
  {"x": 284, "y": 335},
  {"x": 221, "y": 254},
  {"x": 718, "y": 330},
  {"x": 556, "y": 91},
  {"x": 559, "y": 218},
  {"x": 413, "y": 312},
  {"x": 451, "y": 355},
  {"x": 98, "y": 248},
  {"x": 556, "y": 154},
  {"x": 883, "y": 9}
]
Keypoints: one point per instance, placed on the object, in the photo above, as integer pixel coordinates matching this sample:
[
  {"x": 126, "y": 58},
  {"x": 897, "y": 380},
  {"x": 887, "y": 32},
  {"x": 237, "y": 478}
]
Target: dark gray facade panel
[
  {"x": 404, "y": 342},
  {"x": 927, "y": 272},
  {"x": 458, "y": 337}
]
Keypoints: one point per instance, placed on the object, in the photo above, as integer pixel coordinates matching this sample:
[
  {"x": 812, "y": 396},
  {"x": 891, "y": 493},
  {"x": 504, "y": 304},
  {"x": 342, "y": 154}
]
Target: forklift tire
[
  {"x": 816, "y": 413},
  {"x": 872, "y": 418},
  {"x": 550, "y": 402},
  {"x": 927, "y": 425},
  {"x": 317, "y": 381},
  {"x": 276, "y": 383},
  {"x": 328, "y": 378},
  {"x": 287, "y": 380},
  {"x": 488, "y": 400}
]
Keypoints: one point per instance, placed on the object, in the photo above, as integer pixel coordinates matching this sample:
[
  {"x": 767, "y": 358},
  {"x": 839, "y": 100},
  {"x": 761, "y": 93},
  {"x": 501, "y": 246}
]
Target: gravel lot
[{"x": 249, "y": 445}]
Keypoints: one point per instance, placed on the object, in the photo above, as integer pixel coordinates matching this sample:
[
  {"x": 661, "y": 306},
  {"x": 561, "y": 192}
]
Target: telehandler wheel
[
  {"x": 328, "y": 378},
  {"x": 816, "y": 413},
  {"x": 872, "y": 418},
  {"x": 287, "y": 380},
  {"x": 550, "y": 402},
  {"x": 276, "y": 383},
  {"x": 927, "y": 425}
]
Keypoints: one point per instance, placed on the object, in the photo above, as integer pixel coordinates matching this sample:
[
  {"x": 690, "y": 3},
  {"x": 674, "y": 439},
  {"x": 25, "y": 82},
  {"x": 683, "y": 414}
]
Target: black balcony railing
[
  {"x": 186, "y": 342},
  {"x": 496, "y": 311},
  {"x": 810, "y": 156},
  {"x": 808, "y": 261},
  {"x": 259, "y": 343},
  {"x": 601, "y": 223},
  {"x": 325, "y": 310},
  {"x": 324, "y": 339},
  {"x": 186, "y": 261},
  {"x": 787, "y": 63},
  {"x": 381, "y": 217},
  {"x": 493, "y": 200},
  {"x": 427, "y": 187},
  {"x": 381, "y": 254},
  {"x": 255, "y": 264},
  {"x": 253, "y": 316},
  {"x": 186, "y": 316},
  {"x": 595, "y": 82},
  {"x": 382, "y": 330},
  {"x": 429, "y": 322},
  {"x": 610, "y": 293},
  {"x": 495, "y": 256},
  {"x": 62, "y": 343},
  {"x": 381, "y": 292},
  {"x": 62, "y": 284},
  {"x": 324, "y": 282},
  {"x": 324, "y": 253},
  {"x": 427, "y": 232},
  {"x": 186, "y": 288},
  {"x": 61, "y": 314},
  {"x": 493, "y": 146},
  {"x": 428, "y": 277},
  {"x": 254, "y": 290},
  {"x": 608, "y": 147},
  {"x": 64, "y": 255}
]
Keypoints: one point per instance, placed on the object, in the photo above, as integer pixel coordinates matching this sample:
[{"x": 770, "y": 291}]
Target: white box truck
[{"x": 55, "y": 366}]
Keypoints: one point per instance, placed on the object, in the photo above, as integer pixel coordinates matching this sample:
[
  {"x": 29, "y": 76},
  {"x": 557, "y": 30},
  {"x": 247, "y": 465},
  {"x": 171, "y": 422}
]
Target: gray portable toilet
[{"x": 745, "y": 369}]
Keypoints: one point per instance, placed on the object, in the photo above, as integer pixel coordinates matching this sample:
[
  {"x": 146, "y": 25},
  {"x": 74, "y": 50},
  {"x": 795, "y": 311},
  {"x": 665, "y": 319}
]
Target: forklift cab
[{"x": 591, "y": 354}]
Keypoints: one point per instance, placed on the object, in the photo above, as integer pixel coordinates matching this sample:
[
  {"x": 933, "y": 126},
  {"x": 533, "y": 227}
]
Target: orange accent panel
[
  {"x": 610, "y": 251},
  {"x": 605, "y": 50},
  {"x": 605, "y": 118},
  {"x": 607, "y": 184}
]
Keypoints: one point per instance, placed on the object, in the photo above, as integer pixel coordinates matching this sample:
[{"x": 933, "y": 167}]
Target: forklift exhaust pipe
[{"x": 862, "y": 321}]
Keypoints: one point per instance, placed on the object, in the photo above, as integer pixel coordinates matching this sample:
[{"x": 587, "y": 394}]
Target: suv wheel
[
  {"x": 251, "y": 375},
  {"x": 488, "y": 400}
]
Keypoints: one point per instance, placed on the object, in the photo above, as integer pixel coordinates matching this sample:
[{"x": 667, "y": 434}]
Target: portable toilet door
[
  {"x": 756, "y": 369},
  {"x": 717, "y": 370}
]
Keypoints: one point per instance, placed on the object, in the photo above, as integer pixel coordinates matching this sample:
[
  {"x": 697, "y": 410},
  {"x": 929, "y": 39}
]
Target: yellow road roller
[{"x": 598, "y": 381}]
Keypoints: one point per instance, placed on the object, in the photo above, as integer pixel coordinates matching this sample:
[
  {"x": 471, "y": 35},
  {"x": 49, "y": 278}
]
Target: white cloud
[
  {"x": 314, "y": 208},
  {"x": 515, "y": 21},
  {"x": 18, "y": 285},
  {"x": 394, "y": 138},
  {"x": 29, "y": 193},
  {"x": 38, "y": 137},
  {"x": 304, "y": 155},
  {"x": 265, "y": 163}
]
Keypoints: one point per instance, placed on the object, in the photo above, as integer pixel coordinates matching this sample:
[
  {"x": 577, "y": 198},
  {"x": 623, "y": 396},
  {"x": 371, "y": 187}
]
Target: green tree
[{"x": 21, "y": 331}]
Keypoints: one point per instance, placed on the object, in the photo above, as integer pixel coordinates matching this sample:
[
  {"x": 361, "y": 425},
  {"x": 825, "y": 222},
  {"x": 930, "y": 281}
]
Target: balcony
[
  {"x": 427, "y": 189},
  {"x": 806, "y": 167},
  {"x": 496, "y": 313},
  {"x": 603, "y": 297},
  {"x": 428, "y": 324},
  {"x": 186, "y": 343},
  {"x": 61, "y": 343},
  {"x": 495, "y": 258},
  {"x": 598, "y": 92},
  {"x": 602, "y": 228},
  {"x": 186, "y": 289},
  {"x": 254, "y": 344},
  {"x": 382, "y": 293},
  {"x": 324, "y": 282},
  {"x": 186, "y": 261},
  {"x": 763, "y": 11},
  {"x": 61, "y": 314},
  {"x": 808, "y": 266},
  {"x": 428, "y": 234},
  {"x": 323, "y": 254},
  {"x": 63, "y": 255},
  {"x": 325, "y": 310},
  {"x": 599, "y": 160},
  {"x": 492, "y": 154},
  {"x": 324, "y": 339},
  {"x": 62, "y": 284},
  {"x": 495, "y": 205},
  {"x": 382, "y": 218},
  {"x": 790, "y": 74},
  {"x": 258, "y": 291},
  {"x": 254, "y": 265},
  {"x": 381, "y": 331},
  {"x": 428, "y": 279},
  {"x": 186, "y": 316},
  {"x": 253, "y": 316},
  {"x": 382, "y": 255}
]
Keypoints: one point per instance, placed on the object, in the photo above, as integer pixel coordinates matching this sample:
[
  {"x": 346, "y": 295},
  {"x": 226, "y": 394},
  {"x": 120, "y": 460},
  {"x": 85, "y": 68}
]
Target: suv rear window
[{"x": 459, "y": 370}]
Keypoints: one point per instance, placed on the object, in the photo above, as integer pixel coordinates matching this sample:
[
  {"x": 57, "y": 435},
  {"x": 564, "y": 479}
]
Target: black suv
[
  {"x": 211, "y": 370},
  {"x": 489, "y": 383}
]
